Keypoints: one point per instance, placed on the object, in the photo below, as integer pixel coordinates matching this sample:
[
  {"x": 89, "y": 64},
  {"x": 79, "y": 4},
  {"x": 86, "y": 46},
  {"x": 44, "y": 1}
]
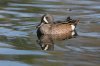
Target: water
[{"x": 19, "y": 43}]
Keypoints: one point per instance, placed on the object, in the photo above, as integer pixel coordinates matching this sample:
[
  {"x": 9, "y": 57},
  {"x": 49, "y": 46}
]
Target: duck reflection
[{"x": 46, "y": 41}]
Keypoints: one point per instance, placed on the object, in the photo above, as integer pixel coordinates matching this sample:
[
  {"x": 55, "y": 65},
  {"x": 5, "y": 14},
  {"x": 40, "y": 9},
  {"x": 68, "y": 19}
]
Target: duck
[{"x": 58, "y": 29}]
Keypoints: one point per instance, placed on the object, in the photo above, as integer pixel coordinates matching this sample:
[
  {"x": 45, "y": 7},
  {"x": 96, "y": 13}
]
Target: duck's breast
[{"x": 45, "y": 29}]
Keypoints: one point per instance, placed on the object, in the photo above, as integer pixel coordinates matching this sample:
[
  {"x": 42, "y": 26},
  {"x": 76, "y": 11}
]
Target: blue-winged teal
[
  {"x": 49, "y": 31},
  {"x": 48, "y": 26}
]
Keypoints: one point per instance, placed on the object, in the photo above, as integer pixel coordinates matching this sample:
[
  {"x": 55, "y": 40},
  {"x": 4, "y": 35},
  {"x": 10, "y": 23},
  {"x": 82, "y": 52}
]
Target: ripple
[
  {"x": 18, "y": 14},
  {"x": 85, "y": 2},
  {"x": 12, "y": 63},
  {"x": 37, "y": 5},
  {"x": 84, "y": 11},
  {"x": 8, "y": 51},
  {"x": 10, "y": 8},
  {"x": 94, "y": 7},
  {"x": 51, "y": 0},
  {"x": 5, "y": 45},
  {"x": 75, "y": 48},
  {"x": 6, "y": 24},
  {"x": 92, "y": 34},
  {"x": 25, "y": 25},
  {"x": 12, "y": 33},
  {"x": 84, "y": 49},
  {"x": 92, "y": 49},
  {"x": 1, "y": 16},
  {"x": 90, "y": 16},
  {"x": 29, "y": 23}
]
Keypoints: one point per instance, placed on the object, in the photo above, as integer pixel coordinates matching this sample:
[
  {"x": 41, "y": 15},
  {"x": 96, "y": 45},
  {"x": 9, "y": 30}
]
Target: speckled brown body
[{"x": 56, "y": 30}]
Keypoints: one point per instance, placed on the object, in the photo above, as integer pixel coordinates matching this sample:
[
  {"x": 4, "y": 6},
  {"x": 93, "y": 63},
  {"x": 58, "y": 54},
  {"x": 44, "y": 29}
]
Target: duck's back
[{"x": 60, "y": 28}]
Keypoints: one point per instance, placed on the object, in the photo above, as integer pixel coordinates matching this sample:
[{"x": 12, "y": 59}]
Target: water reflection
[{"x": 47, "y": 41}]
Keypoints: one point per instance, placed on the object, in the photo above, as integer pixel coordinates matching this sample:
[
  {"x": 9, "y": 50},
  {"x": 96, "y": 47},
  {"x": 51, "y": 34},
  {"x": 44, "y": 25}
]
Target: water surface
[{"x": 18, "y": 39}]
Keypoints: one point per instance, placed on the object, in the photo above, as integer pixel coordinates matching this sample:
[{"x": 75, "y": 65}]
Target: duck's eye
[{"x": 46, "y": 17}]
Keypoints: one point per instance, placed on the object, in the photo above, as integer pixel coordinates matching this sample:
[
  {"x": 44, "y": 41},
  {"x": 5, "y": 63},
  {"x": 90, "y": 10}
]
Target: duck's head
[{"x": 46, "y": 19}]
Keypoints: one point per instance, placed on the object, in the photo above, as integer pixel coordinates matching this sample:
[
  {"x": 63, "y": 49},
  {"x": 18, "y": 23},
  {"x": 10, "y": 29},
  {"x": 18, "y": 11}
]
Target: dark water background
[{"x": 18, "y": 40}]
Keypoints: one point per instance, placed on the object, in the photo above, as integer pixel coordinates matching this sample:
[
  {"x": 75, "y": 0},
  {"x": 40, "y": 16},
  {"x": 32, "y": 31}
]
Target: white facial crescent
[{"x": 45, "y": 20}]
